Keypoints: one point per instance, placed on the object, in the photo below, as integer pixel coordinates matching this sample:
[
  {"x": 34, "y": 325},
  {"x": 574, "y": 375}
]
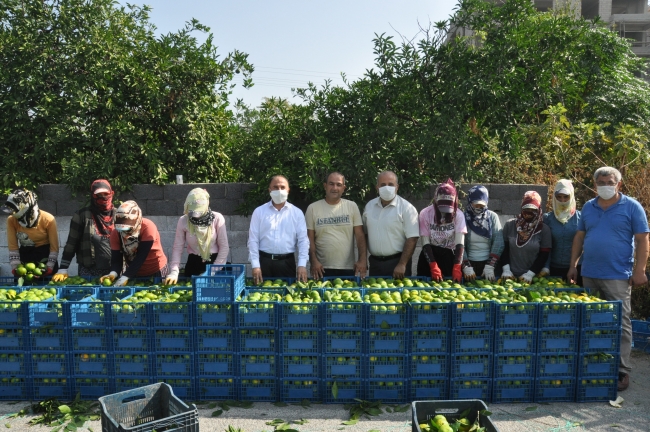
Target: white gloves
[
  {"x": 488, "y": 272},
  {"x": 468, "y": 273},
  {"x": 527, "y": 277},
  {"x": 544, "y": 272},
  {"x": 172, "y": 278},
  {"x": 507, "y": 274},
  {"x": 121, "y": 281}
]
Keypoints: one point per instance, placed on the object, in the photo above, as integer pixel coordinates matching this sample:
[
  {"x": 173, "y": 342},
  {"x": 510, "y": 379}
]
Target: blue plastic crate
[
  {"x": 210, "y": 315},
  {"x": 222, "y": 388},
  {"x": 300, "y": 366},
  {"x": 299, "y": 389},
  {"x": 343, "y": 341},
  {"x": 474, "y": 314},
  {"x": 471, "y": 366},
  {"x": 49, "y": 363},
  {"x": 132, "y": 364},
  {"x": 258, "y": 389},
  {"x": 344, "y": 314},
  {"x": 174, "y": 364},
  {"x": 216, "y": 364},
  {"x": 641, "y": 335},
  {"x": 346, "y": 391},
  {"x": 385, "y": 315},
  {"x": 127, "y": 340},
  {"x": 640, "y": 326},
  {"x": 514, "y": 365},
  {"x": 598, "y": 365},
  {"x": 553, "y": 315},
  {"x": 16, "y": 388},
  {"x": 480, "y": 388},
  {"x": 258, "y": 365},
  {"x": 307, "y": 341},
  {"x": 44, "y": 339},
  {"x": 516, "y": 341},
  {"x": 602, "y": 314},
  {"x": 14, "y": 339},
  {"x": 47, "y": 313},
  {"x": 386, "y": 342},
  {"x": 515, "y": 315},
  {"x": 393, "y": 391},
  {"x": 472, "y": 340},
  {"x": 270, "y": 283},
  {"x": 344, "y": 367},
  {"x": 15, "y": 363},
  {"x": 92, "y": 388},
  {"x": 300, "y": 315},
  {"x": 430, "y": 315},
  {"x": 90, "y": 339},
  {"x": 13, "y": 314},
  {"x": 172, "y": 315},
  {"x": 555, "y": 390},
  {"x": 429, "y": 389},
  {"x": 126, "y": 314},
  {"x": 601, "y": 389},
  {"x": 511, "y": 390},
  {"x": 355, "y": 279},
  {"x": 557, "y": 365},
  {"x": 257, "y": 340},
  {"x": 256, "y": 313},
  {"x": 184, "y": 387},
  {"x": 112, "y": 294},
  {"x": 220, "y": 283},
  {"x": 215, "y": 340},
  {"x": 557, "y": 340},
  {"x": 131, "y": 382},
  {"x": 387, "y": 366},
  {"x": 180, "y": 339},
  {"x": 429, "y": 366},
  {"x": 91, "y": 364},
  {"x": 437, "y": 340},
  {"x": 58, "y": 387},
  {"x": 600, "y": 340},
  {"x": 88, "y": 313},
  {"x": 75, "y": 293}
]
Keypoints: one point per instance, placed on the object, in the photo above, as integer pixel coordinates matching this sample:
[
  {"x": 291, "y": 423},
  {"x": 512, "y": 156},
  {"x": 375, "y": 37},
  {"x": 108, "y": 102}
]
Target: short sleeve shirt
[
  {"x": 389, "y": 227},
  {"x": 333, "y": 227},
  {"x": 442, "y": 235},
  {"x": 522, "y": 258}
]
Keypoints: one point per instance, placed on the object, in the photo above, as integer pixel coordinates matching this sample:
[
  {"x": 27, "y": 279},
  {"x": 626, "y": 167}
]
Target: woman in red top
[{"x": 135, "y": 244}]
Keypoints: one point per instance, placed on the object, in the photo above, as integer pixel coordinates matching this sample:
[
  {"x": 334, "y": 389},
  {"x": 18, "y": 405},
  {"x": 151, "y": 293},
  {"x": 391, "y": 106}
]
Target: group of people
[{"x": 604, "y": 247}]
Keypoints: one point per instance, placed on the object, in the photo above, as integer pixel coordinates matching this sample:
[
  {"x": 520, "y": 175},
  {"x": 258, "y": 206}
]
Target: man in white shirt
[
  {"x": 391, "y": 224},
  {"x": 277, "y": 228},
  {"x": 333, "y": 224}
]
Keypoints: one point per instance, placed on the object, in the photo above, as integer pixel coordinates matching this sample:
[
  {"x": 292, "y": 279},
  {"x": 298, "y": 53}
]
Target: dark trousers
[
  {"x": 36, "y": 254},
  {"x": 195, "y": 264},
  {"x": 386, "y": 268},
  {"x": 444, "y": 258},
  {"x": 478, "y": 267},
  {"x": 338, "y": 272},
  {"x": 278, "y": 268},
  {"x": 562, "y": 271}
]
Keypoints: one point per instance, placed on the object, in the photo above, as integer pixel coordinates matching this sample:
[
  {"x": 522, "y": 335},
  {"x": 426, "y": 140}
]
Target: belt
[
  {"x": 276, "y": 257},
  {"x": 386, "y": 258}
]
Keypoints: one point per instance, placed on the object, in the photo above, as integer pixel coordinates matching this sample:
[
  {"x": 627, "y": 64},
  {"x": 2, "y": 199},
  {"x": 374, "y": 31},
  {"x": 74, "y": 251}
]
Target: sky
[{"x": 292, "y": 42}]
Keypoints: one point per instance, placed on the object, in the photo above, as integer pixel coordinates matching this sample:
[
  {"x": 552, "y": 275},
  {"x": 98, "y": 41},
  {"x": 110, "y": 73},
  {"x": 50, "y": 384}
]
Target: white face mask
[
  {"x": 606, "y": 192},
  {"x": 387, "y": 193},
  {"x": 279, "y": 196}
]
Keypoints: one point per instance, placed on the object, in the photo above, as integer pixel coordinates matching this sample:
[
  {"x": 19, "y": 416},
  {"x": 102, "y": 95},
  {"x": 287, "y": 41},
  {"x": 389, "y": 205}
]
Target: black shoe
[{"x": 623, "y": 381}]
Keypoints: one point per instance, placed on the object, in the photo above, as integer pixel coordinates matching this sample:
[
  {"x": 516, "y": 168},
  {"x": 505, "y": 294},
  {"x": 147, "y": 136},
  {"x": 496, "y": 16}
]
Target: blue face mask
[{"x": 478, "y": 211}]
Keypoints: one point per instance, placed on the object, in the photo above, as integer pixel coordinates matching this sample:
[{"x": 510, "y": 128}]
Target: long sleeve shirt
[
  {"x": 43, "y": 233},
  {"x": 278, "y": 232},
  {"x": 494, "y": 243},
  {"x": 218, "y": 245}
]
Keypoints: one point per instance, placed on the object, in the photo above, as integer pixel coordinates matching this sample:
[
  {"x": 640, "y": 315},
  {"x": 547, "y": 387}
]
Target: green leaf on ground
[
  {"x": 213, "y": 405},
  {"x": 280, "y": 404},
  {"x": 302, "y": 421},
  {"x": 389, "y": 410},
  {"x": 531, "y": 408},
  {"x": 275, "y": 422},
  {"x": 350, "y": 422},
  {"x": 402, "y": 408},
  {"x": 216, "y": 413},
  {"x": 335, "y": 390}
]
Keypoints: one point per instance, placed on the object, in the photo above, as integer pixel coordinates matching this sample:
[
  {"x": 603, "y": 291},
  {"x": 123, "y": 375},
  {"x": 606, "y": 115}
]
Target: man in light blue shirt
[{"x": 611, "y": 224}]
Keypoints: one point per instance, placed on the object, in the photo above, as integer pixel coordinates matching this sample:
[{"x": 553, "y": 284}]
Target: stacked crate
[
  {"x": 641, "y": 335},
  {"x": 15, "y": 377}
]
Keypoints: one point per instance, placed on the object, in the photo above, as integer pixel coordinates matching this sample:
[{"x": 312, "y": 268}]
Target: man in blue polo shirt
[{"x": 611, "y": 224}]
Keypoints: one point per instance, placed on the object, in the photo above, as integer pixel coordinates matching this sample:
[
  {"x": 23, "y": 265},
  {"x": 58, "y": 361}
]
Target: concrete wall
[{"x": 164, "y": 206}]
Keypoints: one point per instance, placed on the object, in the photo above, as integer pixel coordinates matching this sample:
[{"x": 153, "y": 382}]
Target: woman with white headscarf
[
  {"x": 563, "y": 222},
  {"x": 204, "y": 233}
]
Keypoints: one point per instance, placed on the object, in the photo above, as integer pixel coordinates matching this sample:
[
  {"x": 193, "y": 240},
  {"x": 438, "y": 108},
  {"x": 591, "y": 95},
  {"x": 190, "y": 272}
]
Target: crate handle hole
[{"x": 133, "y": 398}]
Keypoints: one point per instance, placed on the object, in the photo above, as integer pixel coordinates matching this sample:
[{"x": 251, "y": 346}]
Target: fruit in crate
[
  {"x": 30, "y": 295},
  {"x": 161, "y": 295},
  {"x": 342, "y": 296},
  {"x": 73, "y": 280}
]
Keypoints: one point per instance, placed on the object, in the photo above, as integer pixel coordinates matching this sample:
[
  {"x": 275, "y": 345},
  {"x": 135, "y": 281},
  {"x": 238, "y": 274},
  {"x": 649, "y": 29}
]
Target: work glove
[
  {"x": 111, "y": 276},
  {"x": 13, "y": 271},
  {"x": 507, "y": 274},
  {"x": 121, "y": 281},
  {"x": 544, "y": 272},
  {"x": 60, "y": 276},
  {"x": 527, "y": 277},
  {"x": 457, "y": 273},
  {"x": 436, "y": 274},
  {"x": 488, "y": 272},
  {"x": 172, "y": 278},
  {"x": 468, "y": 273},
  {"x": 48, "y": 272}
]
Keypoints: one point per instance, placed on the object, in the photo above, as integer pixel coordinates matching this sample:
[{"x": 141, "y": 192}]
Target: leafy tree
[{"x": 88, "y": 90}]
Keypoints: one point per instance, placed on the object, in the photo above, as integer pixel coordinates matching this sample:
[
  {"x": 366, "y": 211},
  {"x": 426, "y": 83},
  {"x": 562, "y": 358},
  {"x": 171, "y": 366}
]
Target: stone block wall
[{"x": 164, "y": 206}]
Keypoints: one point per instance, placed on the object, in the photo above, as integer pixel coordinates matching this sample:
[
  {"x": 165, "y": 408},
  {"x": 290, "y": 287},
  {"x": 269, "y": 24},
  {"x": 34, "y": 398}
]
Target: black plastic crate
[
  {"x": 306, "y": 341},
  {"x": 429, "y": 389},
  {"x": 388, "y": 391},
  {"x": 387, "y": 366},
  {"x": 217, "y": 340},
  {"x": 296, "y": 390},
  {"x": 514, "y": 365},
  {"x": 437, "y": 340},
  {"x": 471, "y": 366},
  {"x": 556, "y": 365},
  {"x": 472, "y": 341},
  {"x": 511, "y": 390},
  {"x": 173, "y": 340},
  {"x": 516, "y": 341},
  {"x": 423, "y": 411},
  {"x": 258, "y": 365},
  {"x": 91, "y": 364},
  {"x": 557, "y": 340},
  {"x": 212, "y": 315},
  {"x": 555, "y": 390},
  {"x": 424, "y": 365},
  {"x": 132, "y": 340},
  {"x": 300, "y": 366},
  {"x": 343, "y": 341},
  {"x": 212, "y": 388},
  {"x": 216, "y": 364},
  {"x": 343, "y": 391},
  {"x": 515, "y": 315},
  {"x": 257, "y": 340}
]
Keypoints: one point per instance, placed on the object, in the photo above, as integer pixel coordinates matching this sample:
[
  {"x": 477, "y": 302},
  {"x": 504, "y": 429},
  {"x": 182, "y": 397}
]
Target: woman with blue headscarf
[{"x": 484, "y": 239}]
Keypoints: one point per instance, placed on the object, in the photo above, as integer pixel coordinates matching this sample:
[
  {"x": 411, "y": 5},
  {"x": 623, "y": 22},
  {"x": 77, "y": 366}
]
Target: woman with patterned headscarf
[
  {"x": 563, "y": 222},
  {"x": 31, "y": 233},
  {"x": 135, "y": 246},
  {"x": 527, "y": 241},
  {"x": 442, "y": 229},
  {"x": 204, "y": 233},
  {"x": 484, "y": 240},
  {"x": 89, "y": 235}
]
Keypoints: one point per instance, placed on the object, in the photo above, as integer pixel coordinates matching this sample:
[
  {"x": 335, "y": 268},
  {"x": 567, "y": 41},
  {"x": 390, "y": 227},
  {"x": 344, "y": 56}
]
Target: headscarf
[
  {"x": 526, "y": 230},
  {"x": 24, "y": 206},
  {"x": 200, "y": 218},
  {"x": 445, "y": 202},
  {"x": 102, "y": 208},
  {"x": 564, "y": 211},
  {"x": 128, "y": 221},
  {"x": 478, "y": 220}
]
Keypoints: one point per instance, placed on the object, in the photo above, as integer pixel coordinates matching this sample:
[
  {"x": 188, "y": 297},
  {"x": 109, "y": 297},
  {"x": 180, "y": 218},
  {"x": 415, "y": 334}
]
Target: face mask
[
  {"x": 387, "y": 193},
  {"x": 279, "y": 196},
  {"x": 478, "y": 211},
  {"x": 606, "y": 192}
]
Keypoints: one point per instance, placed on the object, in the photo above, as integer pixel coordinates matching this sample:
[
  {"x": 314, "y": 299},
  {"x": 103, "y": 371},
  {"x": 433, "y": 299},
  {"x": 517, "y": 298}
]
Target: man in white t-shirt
[{"x": 333, "y": 224}]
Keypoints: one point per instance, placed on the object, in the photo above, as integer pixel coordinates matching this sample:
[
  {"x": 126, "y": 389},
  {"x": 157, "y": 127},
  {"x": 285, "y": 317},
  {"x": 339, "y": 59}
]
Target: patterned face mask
[{"x": 24, "y": 207}]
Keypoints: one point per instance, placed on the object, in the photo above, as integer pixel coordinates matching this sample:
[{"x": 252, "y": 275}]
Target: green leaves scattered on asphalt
[
  {"x": 362, "y": 409},
  {"x": 531, "y": 408},
  {"x": 233, "y": 429},
  {"x": 280, "y": 404},
  {"x": 217, "y": 413},
  {"x": 302, "y": 421},
  {"x": 275, "y": 422},
  {"x": 351, "y": 422},
  {"x": 65, "y": 417}
]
